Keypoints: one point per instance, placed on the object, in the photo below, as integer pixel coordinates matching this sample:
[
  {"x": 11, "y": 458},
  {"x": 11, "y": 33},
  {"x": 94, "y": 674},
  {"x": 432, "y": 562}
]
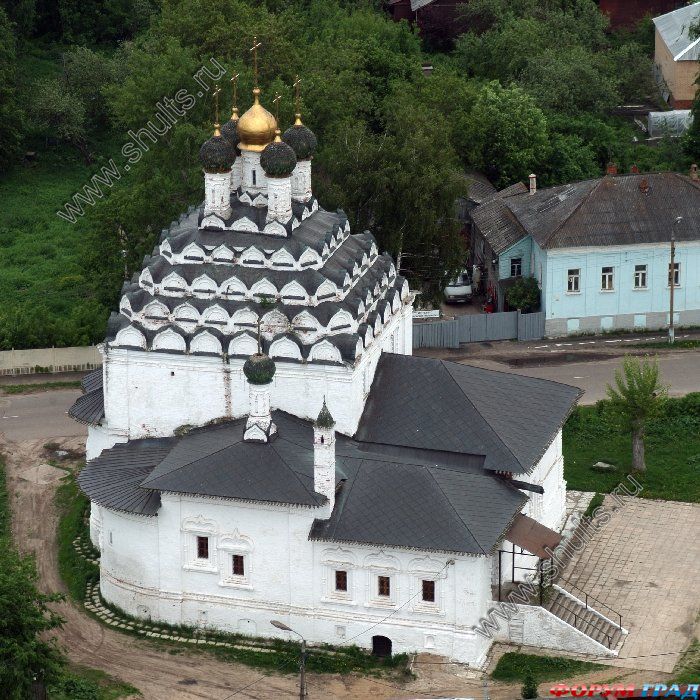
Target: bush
[
  {"x": 529, "y": 689},
  {"x": 524, "y": 295}
]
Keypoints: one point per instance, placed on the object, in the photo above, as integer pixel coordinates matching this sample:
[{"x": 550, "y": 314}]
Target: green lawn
[
  {"x": 512, "y": 667},
  {"x": 672, "y": 451},
  {"x": 33, "y": 388}
]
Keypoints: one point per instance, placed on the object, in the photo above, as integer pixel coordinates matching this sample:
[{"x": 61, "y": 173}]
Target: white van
[{"x": 459, "y": 289}]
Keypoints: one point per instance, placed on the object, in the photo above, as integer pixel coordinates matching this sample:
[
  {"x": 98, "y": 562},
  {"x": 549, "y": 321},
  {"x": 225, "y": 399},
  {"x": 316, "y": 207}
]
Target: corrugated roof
[
  {"x": 613, "y": 210},
  {"x": 480, "y": 187},
  {"x": 496, "y": 222},
  {"x": 444, "y": 406},
  {"x": 674, "y": 28},
  {"x": 89, "y": 408}
]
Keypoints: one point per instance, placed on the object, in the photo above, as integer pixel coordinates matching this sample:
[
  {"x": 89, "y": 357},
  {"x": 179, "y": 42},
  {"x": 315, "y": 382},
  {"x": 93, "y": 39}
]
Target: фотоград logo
[{"x": 620, "y": 690}]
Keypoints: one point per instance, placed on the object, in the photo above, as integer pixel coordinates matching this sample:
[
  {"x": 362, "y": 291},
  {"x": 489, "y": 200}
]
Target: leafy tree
[
  {"x": 529, "y": 689},
  {"x": 637, "y": 396},
  {"x": 26, "y": 652},
  {"x": 509, "y": 134},
  {"x": 524, "y": 295},
  {"x": 10, "y": 112}
]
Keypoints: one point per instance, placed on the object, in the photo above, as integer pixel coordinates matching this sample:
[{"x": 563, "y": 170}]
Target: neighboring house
[
  {"x": 600, "y": 249},
  {"x": 627, "y": 13},
  {"x": 360, "y": 495},
  {"x": 676, "y": 55},
  {"x": 437, "y": 20}
]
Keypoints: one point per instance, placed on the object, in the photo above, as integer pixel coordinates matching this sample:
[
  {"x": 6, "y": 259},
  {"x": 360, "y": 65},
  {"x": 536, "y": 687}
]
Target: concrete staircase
[{"x": 584, "y": 618}]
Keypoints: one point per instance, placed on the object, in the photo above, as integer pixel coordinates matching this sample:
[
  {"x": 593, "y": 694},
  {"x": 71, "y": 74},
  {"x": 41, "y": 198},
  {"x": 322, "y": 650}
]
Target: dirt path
[{"x": 167, "y": 673}]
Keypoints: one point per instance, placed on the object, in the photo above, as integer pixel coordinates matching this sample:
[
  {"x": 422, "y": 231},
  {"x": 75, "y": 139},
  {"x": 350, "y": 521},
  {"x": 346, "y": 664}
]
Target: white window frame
[
  {"x": 380, "y": 601},
  {"x": 338, "y": 561},
  {"x": 519, "y": 262},
  {"x": 676, "y": 274},
  {"x": 607, "y": 279},
  {"x": 573, "y": 274},
  {"x": 228, "y": 546},
  {"x": 641, "y": 274},
  {"x": 192, "y": 528}
]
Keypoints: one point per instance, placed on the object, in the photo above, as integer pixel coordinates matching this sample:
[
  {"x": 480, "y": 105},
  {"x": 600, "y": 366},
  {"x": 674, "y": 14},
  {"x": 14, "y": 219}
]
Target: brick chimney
[
  {"x": 644, "y": 186},
  {"x": 694, "y": 171},
  {"x": 634, "y": 170},
  {"x": 533, "y": 183},
  {"x": 611, "y": 169}
]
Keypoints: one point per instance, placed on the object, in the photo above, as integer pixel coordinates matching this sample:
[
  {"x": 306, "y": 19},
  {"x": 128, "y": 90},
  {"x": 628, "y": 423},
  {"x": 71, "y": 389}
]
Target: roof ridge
[
  {"x": 478, "y": 412},
  {"x": 432, "y": 476},
  {"x": 313, "y": 494},
  {"x": 686, "y": 49},
  {"x": 573, "y": 211}
]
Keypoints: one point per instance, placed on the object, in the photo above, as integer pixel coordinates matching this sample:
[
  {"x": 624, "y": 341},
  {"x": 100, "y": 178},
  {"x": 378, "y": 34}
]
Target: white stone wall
[
  {"x": 150, "y": 394},
  {"x": 279, "y": 199},
  {"x": 217, "y": 193},
  {"x": 149, "y": 568}
]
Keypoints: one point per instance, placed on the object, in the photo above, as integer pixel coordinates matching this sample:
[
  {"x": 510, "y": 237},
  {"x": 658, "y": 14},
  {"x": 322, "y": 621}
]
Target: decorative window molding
[
  {"x": 237, "y": 545},
  {"x": 335, "y": 560},
  {"x": 193, "y": 528},
  {"x": 381, "y": 566}
]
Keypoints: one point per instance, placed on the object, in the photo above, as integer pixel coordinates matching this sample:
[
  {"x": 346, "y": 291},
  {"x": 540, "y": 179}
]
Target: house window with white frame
[
  {"x": 341, "y": 581},
  {"x": 199, "y": 539},
  {"x": 607, "y": 279},
  {"x": 640, "y": 276},
  {"x": 676, "y": 274},
  {"x": 428, "y": 591},
  {"x": 516, "y": 267},
  {"x": 235, "y": 561},
  {"x": 384, "y": 586},
  {"x": 574, "y": 281}
]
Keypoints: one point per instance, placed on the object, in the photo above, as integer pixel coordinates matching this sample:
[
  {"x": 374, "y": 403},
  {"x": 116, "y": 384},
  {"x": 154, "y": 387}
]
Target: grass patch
[
  {"x": 34, "y": 388},
  {"x": 687, "y": 669},
  {"x": 80, "y": 683},
  {"x": 596, "y": 502},
  {"x": 4, "y": 503},
  {"x": 672, "y": 451},
  {"x": 679, "y": 344},
  {"x": 73, "y": 507},
  {"x": 513, "y": 666}
]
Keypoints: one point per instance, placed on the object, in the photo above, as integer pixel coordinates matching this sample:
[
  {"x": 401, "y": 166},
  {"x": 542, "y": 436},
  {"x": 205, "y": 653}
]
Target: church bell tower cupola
[
  {"x": 304, "y": 143},
  {"x": 259, "y": 371},
  {"x": 229, "y": 131},
  {"x": 217, "y": 156}
]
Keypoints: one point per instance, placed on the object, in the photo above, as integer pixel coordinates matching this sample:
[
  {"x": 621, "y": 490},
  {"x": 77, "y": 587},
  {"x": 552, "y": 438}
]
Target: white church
[{"x": 262, "y": 445}]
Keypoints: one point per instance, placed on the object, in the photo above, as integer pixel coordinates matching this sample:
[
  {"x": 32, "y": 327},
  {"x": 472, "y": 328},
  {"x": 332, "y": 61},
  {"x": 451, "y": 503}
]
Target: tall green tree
[
  {"x": 636, "y": 397},
  {"x": 10, "y": 112}
]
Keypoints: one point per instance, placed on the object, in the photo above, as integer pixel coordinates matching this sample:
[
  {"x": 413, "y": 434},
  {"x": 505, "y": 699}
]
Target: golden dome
[{"x": 256, "y": 127}]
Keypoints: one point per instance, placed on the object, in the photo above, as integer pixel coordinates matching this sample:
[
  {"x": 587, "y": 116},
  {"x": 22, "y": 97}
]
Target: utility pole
[{"x": 672, "y": 281}]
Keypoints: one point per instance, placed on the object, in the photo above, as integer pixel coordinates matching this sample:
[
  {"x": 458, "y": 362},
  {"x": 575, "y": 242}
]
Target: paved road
[
  {"x": 681, "y": 371},
  {"x": 38, "y": 416}
]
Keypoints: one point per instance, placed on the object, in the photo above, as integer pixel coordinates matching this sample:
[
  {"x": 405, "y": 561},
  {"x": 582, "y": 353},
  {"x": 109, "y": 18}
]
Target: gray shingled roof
[
  {"x": 674, "y": 28},
  {"x": 90, "y": 407},
  {"x": 496, "y": 222},
  {"x": 423, "y": 403},
  {"x": 612, "y": 210}
]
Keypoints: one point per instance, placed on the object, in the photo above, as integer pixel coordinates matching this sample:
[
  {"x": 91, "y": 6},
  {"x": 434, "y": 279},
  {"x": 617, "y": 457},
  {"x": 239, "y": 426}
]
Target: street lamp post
[
  {"x": 302, "y": 662},
  {"x": 672, "y": 281}
]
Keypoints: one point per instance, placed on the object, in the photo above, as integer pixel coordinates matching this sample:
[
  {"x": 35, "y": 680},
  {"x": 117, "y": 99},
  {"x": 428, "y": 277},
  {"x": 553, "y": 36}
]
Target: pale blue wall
[
  {"x": 625, "y": 299},
  {"x": 521, "y": 249}
]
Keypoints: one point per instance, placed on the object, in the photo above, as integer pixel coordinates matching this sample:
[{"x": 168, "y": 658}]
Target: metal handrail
[
  {"x": 576, "y": 618},
  {"x": 593, "y": 598}
]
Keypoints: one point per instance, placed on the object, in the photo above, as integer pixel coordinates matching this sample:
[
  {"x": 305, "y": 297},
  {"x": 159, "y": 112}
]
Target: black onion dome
[
  {"x": 230, "y": 132},
  {"x": 302, "y": 140},
  {"x": 217, "y": 155},
  {"x": 278, "y": 159},
  {"x": 259, "y": 369}
]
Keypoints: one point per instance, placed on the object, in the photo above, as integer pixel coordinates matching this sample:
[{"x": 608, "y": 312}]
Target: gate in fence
[{"x": 479, "y": 328}]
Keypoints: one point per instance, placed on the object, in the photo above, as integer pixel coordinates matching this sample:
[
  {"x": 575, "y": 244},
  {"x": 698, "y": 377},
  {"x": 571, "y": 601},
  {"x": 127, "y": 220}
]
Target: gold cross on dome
[
  {"x": 297, "y": 93},
  {"x": 276, "y": 102},
  {"x": 215, "y": 95},
  {"x": 254, "y": 48},
  {"x": 234, "y": 90}
]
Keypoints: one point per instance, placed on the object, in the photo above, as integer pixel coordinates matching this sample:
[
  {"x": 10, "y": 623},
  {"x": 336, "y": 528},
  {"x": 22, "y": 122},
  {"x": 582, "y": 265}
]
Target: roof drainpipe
[{"x": 533, "y": 183}]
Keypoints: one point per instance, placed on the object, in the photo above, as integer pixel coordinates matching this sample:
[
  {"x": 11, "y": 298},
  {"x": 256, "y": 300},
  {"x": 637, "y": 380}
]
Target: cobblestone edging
[{"x": 94, "y": 604}]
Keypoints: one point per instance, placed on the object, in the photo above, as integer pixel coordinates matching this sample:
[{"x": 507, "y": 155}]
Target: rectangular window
[
  {"x": 607, "y": 278},
  {"x": 640, "y": 276},
  {"x": 516, "y": 267},
  {"x": 202, "y": 548},
  {"x": 255, "y": 178},
  {"x": 384, "y": 586},
  {"x": 238, "y": 565},
  {"x": 429, "y": 591},
  {"x": 574, "y": 283},
  {"x": 676, "y": 274},
  {"x": 341, "y": 580}
]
